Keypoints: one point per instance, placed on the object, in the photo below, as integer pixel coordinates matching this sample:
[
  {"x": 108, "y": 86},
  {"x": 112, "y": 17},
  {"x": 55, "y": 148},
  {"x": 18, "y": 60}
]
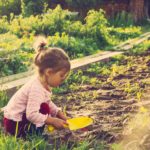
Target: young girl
[{"x": 31, "y": 108}]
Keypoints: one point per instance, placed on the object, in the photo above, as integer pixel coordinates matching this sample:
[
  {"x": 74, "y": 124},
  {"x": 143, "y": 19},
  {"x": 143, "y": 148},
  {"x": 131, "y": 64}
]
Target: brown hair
[{"x": 47, "y": 57}]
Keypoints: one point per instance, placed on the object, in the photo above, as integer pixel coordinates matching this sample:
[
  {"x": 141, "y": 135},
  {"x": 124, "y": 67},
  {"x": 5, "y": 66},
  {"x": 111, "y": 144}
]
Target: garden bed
[
  {"x": 109, "y": 93},
  {"x": 112, "y": 93}
]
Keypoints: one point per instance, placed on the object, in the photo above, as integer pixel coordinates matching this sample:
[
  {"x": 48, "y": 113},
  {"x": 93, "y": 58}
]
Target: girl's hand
[
  {"x": 61, "y": 115},
  {"x": 56, "y": 122}
]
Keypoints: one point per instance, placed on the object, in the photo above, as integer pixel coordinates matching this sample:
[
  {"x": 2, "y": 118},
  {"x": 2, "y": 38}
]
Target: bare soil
[{"x": 110, "y": 105}]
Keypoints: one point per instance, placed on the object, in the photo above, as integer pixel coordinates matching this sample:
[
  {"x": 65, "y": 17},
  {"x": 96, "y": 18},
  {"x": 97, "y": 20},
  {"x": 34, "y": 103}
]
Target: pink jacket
[{"x": 28, "y": 100}]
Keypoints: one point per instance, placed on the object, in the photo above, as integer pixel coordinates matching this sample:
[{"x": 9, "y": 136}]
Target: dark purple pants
[{"x": 25, "y": 127}]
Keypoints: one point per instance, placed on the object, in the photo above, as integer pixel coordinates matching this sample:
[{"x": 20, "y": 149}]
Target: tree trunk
[
  {"x": 147, "y": 9},
  {"x": 137, "y": 9}
]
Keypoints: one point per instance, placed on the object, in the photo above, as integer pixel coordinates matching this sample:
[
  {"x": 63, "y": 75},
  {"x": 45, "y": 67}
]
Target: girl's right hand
[{"x": 56, "y": 122}]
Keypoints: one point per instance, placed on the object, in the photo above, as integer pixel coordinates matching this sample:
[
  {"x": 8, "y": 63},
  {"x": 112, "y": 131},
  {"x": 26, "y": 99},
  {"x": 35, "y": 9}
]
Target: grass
[
  {"x": 146, "y": 27},
  {"x": 10, "y": 142}
]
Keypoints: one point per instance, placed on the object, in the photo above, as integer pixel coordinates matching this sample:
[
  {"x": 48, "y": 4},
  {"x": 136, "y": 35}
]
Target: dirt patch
[{"x": 110, "y": 105}]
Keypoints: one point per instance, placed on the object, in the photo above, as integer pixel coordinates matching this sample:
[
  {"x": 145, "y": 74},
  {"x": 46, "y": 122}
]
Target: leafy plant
[
  {"x": 123, "y": 19},
  {"x": 97, "y": 24},
  {"x": 14, "y": 63},
  {"x": 140, "y": 49},
  {"x": 30, "y": 7},
  {"x": 9, "y": 143},
  {"x": 124, "y": 33},
  {"x": 9, "y": 6},
  {"x": 3, "y": 98},
  {"x": 4, "y": 25}
]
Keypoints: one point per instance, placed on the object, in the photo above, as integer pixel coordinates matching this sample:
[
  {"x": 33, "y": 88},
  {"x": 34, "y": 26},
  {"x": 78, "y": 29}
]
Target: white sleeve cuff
[{"x": 40, "y": 124}]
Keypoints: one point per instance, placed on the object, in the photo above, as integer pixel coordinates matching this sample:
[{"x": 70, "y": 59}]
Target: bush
[
  {"x": 56, "y": 20},
  {"x": 4, "y": 25},
  {"x": 125, "y": 33},
  {"x": 32, "y": 7},
  {"x": 53, "y": 21},
  {"x": 140, "y": 49},
  {"x": 97, "y": 27},
  {"x": 75, "y": 47},
  {"x": 17, "y": 62},
  {"x": 25, "y": 26},
  {"x": 9, "y": 6},
  {"x": 123, "y": 19},
  {"x": 15, "y": 54}
]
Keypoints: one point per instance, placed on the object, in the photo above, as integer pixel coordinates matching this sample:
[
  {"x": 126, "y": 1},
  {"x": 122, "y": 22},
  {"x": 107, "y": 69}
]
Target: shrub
[
  {"x": 15, "y": 54},
  {"x": 9, "y": 6},
  {"x": 15, "y": 63},
  {"x": 53, "y": 21},
  {"x": 32, "y": 7},
  {"x": 125, "y": 33},
  {"x": 123, "y": 19},
  {"x": 75, "y": 47},
  {"x": 97, "y": 25},
  {"x": 140, "y": 49},
  {"x": 4, "y": 25}
]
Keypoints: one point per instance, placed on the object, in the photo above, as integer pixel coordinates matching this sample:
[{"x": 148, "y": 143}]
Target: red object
[
  {"x": 44, "y": 109},
  {"x": 23, "y": 126},
  {"x": 84, "y": 129}
]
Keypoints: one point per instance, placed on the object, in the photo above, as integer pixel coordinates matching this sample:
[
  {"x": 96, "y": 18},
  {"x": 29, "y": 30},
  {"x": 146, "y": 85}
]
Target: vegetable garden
[{"x": 111, "y": 92}]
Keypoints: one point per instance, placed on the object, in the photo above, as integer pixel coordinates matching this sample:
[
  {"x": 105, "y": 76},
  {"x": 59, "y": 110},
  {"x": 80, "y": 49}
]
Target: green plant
[
  {"x": 125, "y": 33},
  {"x": 4, "y": 25},
  {"x": 140, "y": 49},
  {"x": 139, "y": 95},
  {"x": 3, "y": 98},
  {"x": 9, "y": 143},
  {"x": 3, "y": 101},
  {"x": 133, "y": 89},
  {"x": 123, "y": 19},
  {"x": 116, "y": 146},
  {"x": 30, "y": 7},
  {"x": 14, "y": 63},
  {"x": 96, "y": 25},
  {"x": 9, "y": 6},
  {"x": 82, "y": 146}
]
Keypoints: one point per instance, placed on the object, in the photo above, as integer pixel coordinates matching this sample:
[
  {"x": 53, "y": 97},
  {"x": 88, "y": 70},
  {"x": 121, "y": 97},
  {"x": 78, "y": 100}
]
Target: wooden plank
[
  {"x": 75, "y": 64},
  {"x": 89, "y": 60},
  {"x": 132, "y": 42},
  {"x": 15, "y": 76}
]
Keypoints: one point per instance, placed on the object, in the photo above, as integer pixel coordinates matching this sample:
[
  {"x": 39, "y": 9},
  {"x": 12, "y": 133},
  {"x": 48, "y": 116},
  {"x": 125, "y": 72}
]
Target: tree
[
  {"x": 137, "y": 9},
  {"x": 147, "y": 9}
]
